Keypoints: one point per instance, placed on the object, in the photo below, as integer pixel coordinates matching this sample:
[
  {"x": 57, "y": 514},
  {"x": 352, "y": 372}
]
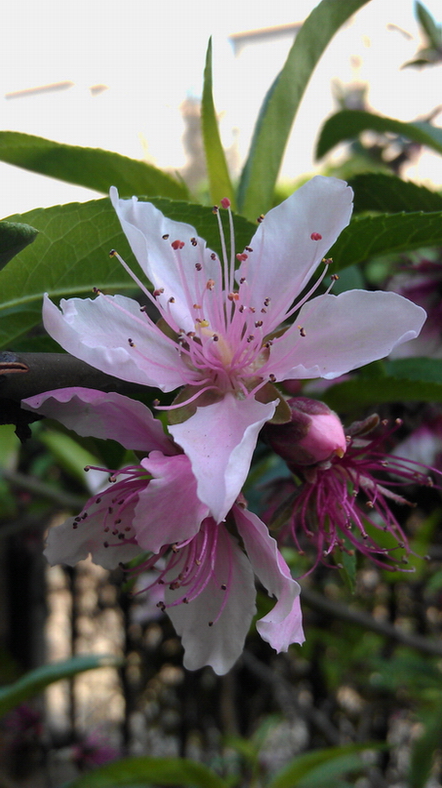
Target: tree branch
[
  {"x": 364, "y": 620},
  {"x": 26, "y": 374}
]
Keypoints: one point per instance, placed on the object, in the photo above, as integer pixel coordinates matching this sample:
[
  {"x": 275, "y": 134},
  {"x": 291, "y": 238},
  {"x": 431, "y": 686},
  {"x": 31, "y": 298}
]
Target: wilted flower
[
  {"x": 219, "y": 337},
  {"x": 337, "y": 503},
  {"x": 208, "y": 579}
]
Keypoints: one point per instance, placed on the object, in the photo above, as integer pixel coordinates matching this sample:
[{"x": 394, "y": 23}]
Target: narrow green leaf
[
  {"x": 71, "y": 256},
  {"x": 281, "y": 104},
  {"x": 389, "y": 194},
  {"x": 90, "y": 167},
  {"x": 372, "y": 236},
  {"x": 37, "y": 680},
  {"x": 316, "y": 769},
  {"x": 349, "y": 123},
  {"x": 429, "y": 25},
  {"x": 161, "y": 771},
  {"x": 219, "y": 179},
  {"x": 71, "y": 456},
  {"x": 13, "y": 238}
]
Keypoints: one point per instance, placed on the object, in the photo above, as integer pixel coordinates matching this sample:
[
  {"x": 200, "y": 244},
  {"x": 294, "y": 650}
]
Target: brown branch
[
  {"x": 26, "y": 374},
  {"x": 364, "y": 620}
]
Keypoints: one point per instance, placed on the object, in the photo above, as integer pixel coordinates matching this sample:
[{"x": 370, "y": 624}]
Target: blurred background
[{"x": 128, "y": 78}]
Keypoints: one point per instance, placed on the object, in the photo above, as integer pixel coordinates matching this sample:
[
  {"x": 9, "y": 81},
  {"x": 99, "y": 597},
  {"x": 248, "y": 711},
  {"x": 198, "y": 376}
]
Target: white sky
[{"x": 151, "y": 56}]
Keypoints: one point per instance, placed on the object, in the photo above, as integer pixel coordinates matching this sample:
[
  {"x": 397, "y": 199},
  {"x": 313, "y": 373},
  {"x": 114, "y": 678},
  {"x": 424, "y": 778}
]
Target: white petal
[
  {"x": 168, "y": 509},
  {"x": 219, "y": 645},
  {"x": 150, "y": 235},
  {"x": 103, "y": 415},
  {"x": 284, "y": 254},
  {"x": 282, "y": 626},
  {"x": 98, "y": 332},
  {"x": 71, "y": 542},
  {"x": 344, "y": 332},
  {"x": 219, "y": 440}
]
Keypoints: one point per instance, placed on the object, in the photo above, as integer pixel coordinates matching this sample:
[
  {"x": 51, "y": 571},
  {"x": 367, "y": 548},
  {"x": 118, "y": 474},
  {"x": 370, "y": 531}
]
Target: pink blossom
[
  {"x": 224, "y": 345},
  {"x": 152, "y": 507},
  {"x": 340, "y": 502},
  {"x": 422, "y": 284},
  {"x": 314, "y": 433}
]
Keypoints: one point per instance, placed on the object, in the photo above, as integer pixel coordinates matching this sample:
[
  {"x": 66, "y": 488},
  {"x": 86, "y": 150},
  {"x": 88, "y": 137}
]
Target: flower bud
[{"x": 313, "y": 435}]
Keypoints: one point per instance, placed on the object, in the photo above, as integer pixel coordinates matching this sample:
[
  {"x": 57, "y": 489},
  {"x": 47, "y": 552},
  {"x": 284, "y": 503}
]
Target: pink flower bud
[{"x": 315, "y": 434}]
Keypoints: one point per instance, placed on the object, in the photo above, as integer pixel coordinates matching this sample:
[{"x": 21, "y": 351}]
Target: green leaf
[
  {"x": 71, "y": 255},
  {"x": 219, "y": 179},
  {"x": 281, "y": 104},
  {"x": 349, "y": 123},
  {"x": 318, "y": 768},
  {"x": 71, "y": 456},
  {"x": 13, "y": 238},
  {"x": 372, "y": 236},
  {"x": 37, "y": 680},
  {"x": 405, "y": 380},
  {"x": 425, "y": 370},
  {"x": 90, "y": 167},
  {"x": 347, "y": 559},
  {"x": 161, "y": 771},
  {"x": 429, "y": 25},
  {"x": 389, "y": 194}
]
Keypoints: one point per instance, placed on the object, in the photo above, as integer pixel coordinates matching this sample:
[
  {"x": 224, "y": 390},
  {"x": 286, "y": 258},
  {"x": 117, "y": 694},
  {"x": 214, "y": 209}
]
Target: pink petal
[
  {"x": 98, "y": 332},
  {"x": 283, "y": 625},
  {"x": 344, "y": 332},
  {"x": 71, "y": 542},
  {"x": 168, "y": 510},
  {"x": 284, "y": 253},
  {"x": 219, "y": 645},
  {"x": 219, "y": 441},
  {"x": 150, "y": 235},
  {"x": 100, "y": 415}
]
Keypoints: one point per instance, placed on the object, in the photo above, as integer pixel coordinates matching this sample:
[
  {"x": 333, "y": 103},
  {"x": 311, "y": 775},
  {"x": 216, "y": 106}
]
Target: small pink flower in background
[
  {"x": 208, "y": 579},
  {"x": 222, "y": 347},
  {"x": 93, "y": 750},
  {"x": 337, "y": 501},
  {"x": 422, "y": 284}
]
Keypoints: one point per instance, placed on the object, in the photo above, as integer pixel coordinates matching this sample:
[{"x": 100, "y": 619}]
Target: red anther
[
  {"x": 316, "y": 236},
  {"x": 210, "y": 284},
  {"x": 177, "y": 244},
  {"x": 225, "y": 202},
  {"x": 158, "y": 292},
  {"x": 242, "y": 257},
  {"x": 233, "y": 296}
]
